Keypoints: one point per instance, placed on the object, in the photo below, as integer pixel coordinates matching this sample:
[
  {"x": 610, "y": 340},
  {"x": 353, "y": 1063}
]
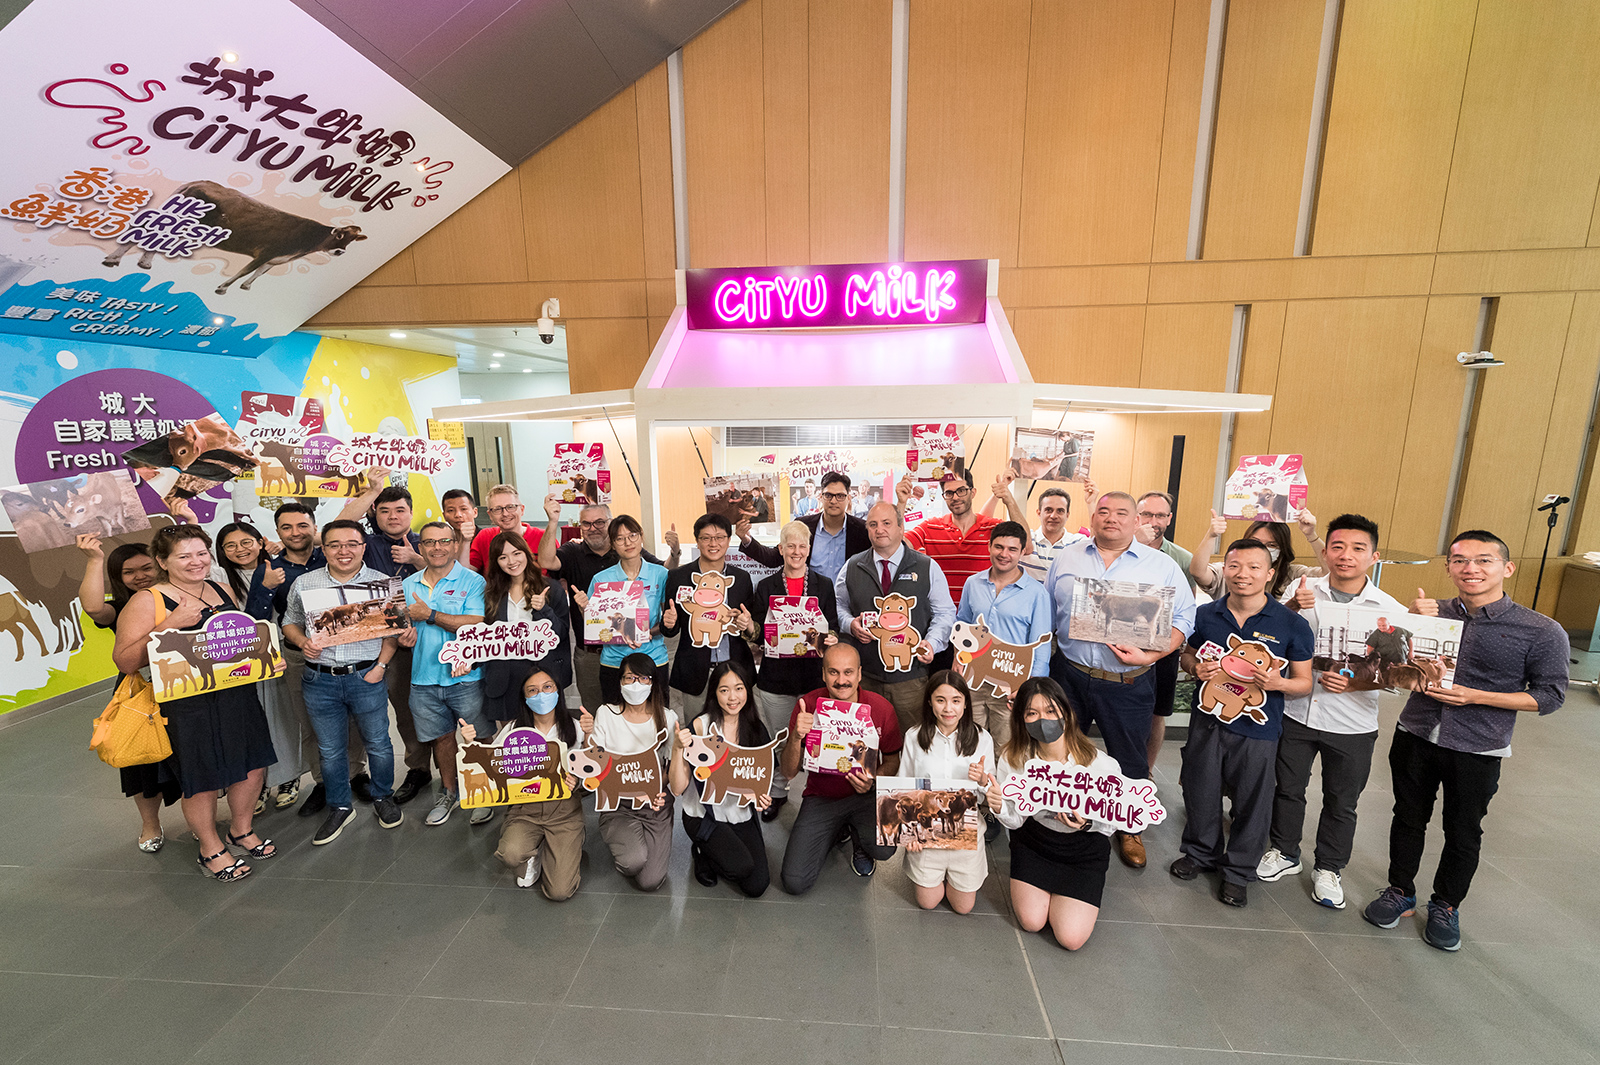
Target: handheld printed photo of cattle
[
  {"x": 1122, "y": 612},
  {"x": 981, "y": 659},
  {"x": 51, "y": 514},
  {"x": 1079, "y": 792},
  {"x": 842, "y": 738},
  {"x": 617, "y": 778},
  {"x": 190, "y": 459},
  {"x": 617, "y": 613},
  {"x": 725, "y": 769},
  {"x": 231, "y": 650},
  {"x": 1052, "y": 454},
  {"x": 350, "y": 613},
  {"x": 747, "y": 496},
  {"x": 520, "y": 765},
  {"x": 940, "y": 815},
  {"x": 302, "y": 470},
  {"x": 795, "y": 627},
  {"x": 578, "y": 474},
  {"x": 1375, "y": 649}
]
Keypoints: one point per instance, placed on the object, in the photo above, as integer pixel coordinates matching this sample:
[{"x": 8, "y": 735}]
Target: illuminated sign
[{"x": 846, "y": 294}]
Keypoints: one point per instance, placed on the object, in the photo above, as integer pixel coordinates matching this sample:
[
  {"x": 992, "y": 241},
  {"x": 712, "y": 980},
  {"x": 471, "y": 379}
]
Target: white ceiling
[{"x": 516, "y": 348}]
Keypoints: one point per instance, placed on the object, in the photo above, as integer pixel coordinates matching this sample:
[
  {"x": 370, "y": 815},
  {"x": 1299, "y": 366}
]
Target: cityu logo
[{"x": 838, "y": 295}]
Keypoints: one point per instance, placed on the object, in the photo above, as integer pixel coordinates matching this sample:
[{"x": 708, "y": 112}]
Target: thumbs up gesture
[
  {"x": 1424, "y": 605},
  {"x": 1219, "y": 525},
  {"x": 585, "y": 720},
  {"x": 976, "y": 771},
  {"x": 672, "y": 537},
  {"x": 272, "y": 576},
  {"x": 1304, "y": 597},
  {"x": 669, "y": 615}
]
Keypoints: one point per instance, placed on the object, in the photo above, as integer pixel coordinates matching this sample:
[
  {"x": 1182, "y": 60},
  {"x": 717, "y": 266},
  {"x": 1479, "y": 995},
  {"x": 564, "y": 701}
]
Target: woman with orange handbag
[
  {"x": 130, "y": 569},
  {"x": 219, "y": 737}
]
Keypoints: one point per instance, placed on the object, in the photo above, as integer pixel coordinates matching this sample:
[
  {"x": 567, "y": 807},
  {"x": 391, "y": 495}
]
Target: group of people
[{"x": 329, "y": 716}]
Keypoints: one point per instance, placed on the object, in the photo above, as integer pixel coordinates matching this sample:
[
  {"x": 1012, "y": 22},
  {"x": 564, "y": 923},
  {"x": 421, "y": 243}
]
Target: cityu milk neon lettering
[{"x": 894, "y": 293}]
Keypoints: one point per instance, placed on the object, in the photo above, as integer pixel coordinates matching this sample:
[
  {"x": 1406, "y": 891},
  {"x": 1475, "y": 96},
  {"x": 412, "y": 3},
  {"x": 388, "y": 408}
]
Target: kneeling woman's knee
[{"x": 1073, "y": 938}]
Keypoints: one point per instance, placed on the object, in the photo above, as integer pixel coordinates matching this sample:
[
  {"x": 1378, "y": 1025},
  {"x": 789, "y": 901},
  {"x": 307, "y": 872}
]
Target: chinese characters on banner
[{"x": 398, "y": 454}]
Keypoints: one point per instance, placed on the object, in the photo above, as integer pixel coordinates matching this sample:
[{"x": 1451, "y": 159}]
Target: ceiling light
[
  {"x": 526, "y": 370},
  {"x": 499, "y": 354},
  {"x": 398, "y": 336}
]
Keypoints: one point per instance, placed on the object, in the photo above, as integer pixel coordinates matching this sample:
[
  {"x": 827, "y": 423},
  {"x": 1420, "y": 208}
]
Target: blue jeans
[
  {"x": 1123, "y": 712},
  {"x": 331, "y": 701},
  {"x": 435, "y": 708}
]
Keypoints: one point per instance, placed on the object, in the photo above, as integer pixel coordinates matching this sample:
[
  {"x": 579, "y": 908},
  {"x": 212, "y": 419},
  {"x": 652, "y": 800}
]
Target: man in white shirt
[{"x": 1338, "y": 724}]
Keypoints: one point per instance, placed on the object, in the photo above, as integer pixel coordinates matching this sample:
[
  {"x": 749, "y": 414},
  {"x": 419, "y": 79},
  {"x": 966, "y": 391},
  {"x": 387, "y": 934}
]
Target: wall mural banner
[{"x": 206, "y": 184}]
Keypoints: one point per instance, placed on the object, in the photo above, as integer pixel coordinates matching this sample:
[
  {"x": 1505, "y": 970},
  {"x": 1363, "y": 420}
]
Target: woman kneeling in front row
[
  {"x": 1058, "y": 861},
  {"x": 948, "y": 745}
]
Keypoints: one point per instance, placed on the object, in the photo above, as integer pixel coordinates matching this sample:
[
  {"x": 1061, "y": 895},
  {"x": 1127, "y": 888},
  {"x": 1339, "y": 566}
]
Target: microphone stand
[{"x": 1550, "y": 528}]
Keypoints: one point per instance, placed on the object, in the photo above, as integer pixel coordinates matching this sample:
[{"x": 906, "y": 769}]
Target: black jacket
[
  {"x": 503, "y": 678},
  {"x": 691, "y": 666},
  {"x": 855, "y": 541},
  {"x": 793, "y": 676}
]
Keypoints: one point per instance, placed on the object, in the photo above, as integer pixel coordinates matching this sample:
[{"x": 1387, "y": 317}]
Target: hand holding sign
[
  {"x": 552, "y": 507},
  {"x": 89, "y": 544}
]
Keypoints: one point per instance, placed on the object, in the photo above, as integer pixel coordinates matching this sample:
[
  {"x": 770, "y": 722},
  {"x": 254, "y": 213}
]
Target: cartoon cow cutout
[
  {"x": 709, "y": 613},
  {"x": 634, "y": 778},
  {"x": 727, "y": 769},
  {"x": 897, "y": 640},
  {"x": 1234, "y": 692},
  {"x": 982, "y": 659}
]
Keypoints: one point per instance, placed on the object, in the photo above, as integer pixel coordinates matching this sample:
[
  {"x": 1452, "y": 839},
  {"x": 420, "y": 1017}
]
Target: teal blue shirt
[
  {"x": 655, "y": 594},
  {"x": 458, "y": 592}
]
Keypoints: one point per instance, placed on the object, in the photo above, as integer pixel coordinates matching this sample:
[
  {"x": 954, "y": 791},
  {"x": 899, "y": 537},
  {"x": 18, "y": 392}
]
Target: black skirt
[
  {"x": 158, "y": 779},
  {"x": 1071, "y": 864},
  {"x": 218, "y": 738}
]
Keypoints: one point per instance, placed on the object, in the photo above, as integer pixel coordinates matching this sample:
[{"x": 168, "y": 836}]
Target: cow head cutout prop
[
  {"x": 725, "y": 768},
  {"x": 1234, "y": 692},
  {"x": 896, "y": 638},
  {"x": 634, "y": 778},
  {"x": 982, "y": 659}
]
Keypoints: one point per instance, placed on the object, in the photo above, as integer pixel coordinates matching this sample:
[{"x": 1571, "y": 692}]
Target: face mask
[
  {"x": 1047, "y": 729},
  {"x": 543, "y": 702},
  {"x": 634, "y": 694}
]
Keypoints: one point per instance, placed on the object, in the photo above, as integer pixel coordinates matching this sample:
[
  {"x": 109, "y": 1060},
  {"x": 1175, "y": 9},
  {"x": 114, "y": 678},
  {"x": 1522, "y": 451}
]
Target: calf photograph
[
  {"x": 1122, "y": 612},
  {"x": 350, "y": 613},
  {"x": 51, "y": 514},
  {"x": 937, "y": 814}
]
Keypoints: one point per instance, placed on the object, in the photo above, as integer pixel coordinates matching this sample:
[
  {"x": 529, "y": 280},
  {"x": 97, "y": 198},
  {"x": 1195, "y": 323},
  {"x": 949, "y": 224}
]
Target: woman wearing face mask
[
  {"x": 129, "y": 570},
  {"x": 515, "y": 590},
  {"x": 1275, "y": 534},
  {"x": 542, "y": 842},
  {"x": 948, "y": 745},
  {"x": 1058, "y": 862},
  {"x": 640, "y": 840},
  {"x": 627, "y": 540},
  {"x": 725, "y": 837}
]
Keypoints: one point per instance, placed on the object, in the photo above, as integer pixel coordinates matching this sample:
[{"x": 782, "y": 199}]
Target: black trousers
[
  {"x": 1470, "y": 781},
  {"x": 1346, "y": 764},
  {"x": 1214, "y": 756},
  {"x": 815, "y": 828},
  {"x": 1123, "y": 712},
  {"x": 735, "y": 850}
]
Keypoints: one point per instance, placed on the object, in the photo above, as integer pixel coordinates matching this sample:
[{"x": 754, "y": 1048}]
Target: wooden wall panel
[
  {"x": 1527, "y": 156},
  {"x": 1353, "y": 448},
  {"x": 1514, "y": 412},
  {"x": 655, "y": 173},
  {"x": 1096, "y": 101},
  {"x": 482, "y": 242},
  {"x": 1186, "y": 67},
  {"x": 1258, "y": 375},
  {"x": 786, "y": 94},
  {"x": 966, "y": 97},
  {"x": 1431, "y": 425},
  {"x": 1082, "y": 345},
  {"x": 580, "y": 198},
  {"x": 1573, "y": 400},
  {"x": 849, "y": 149},
  {"x": 1391, "y": 126},
  {"x": 401, "y": 270},
  {"x": 724, "y": 141},
  {"x": 1269, "y": 70},
  {"x": 605, "y": 353}
]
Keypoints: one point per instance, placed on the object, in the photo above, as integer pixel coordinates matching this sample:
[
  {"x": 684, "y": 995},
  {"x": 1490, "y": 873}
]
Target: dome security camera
[{"x": 547, "y": 315}]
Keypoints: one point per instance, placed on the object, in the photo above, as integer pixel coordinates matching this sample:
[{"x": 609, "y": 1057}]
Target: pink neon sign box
[{"x": 949, "y": 292}]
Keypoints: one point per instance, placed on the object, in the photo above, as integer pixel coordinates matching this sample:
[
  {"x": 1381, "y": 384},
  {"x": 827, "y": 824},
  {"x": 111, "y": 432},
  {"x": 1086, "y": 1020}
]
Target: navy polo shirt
[{"x": 1280, "y": 629}]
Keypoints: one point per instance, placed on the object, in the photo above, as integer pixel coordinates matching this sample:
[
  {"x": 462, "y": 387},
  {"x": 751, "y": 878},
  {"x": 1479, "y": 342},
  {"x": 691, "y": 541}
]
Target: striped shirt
[{"x": 959, "y": 555}]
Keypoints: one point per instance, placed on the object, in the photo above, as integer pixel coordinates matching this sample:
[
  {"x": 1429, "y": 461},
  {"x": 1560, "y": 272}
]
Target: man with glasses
[
  {"x": 576, "y": 562},
  {"x": 440, "y": 599},
  {"x": 1511, "y": 661},
  {"x": 1154, "y": 516},
  {"x": 959, "y": 541},
  {"x": 836, "y": 533},
  {"x": 691, "y": 666},
  {"x": 345, "y": 682},
  {"x": 505, "y": 510}
]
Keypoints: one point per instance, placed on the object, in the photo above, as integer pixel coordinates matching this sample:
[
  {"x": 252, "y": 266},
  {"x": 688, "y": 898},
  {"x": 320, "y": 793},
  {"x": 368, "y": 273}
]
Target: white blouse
[
  {"x": 618, "y": 735},
  {"x": 942, "y": 761}
]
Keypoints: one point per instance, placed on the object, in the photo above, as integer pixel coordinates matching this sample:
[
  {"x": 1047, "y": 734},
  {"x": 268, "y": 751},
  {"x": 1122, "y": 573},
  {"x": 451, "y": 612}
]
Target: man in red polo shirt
[
  {"x": 959, "y": 542},
  {"x": 505, "y": 510}
]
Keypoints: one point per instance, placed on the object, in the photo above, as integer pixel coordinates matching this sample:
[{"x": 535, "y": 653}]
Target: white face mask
[
  {"x": 634, "y": 694},
  {"x": 1273, "y": 552}
]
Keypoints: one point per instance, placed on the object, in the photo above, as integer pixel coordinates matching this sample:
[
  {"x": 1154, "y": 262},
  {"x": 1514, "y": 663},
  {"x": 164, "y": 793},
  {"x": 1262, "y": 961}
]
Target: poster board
[
  {"x": 795, "y": 627},
  {"x": 274, "y": 417},
  {"x": 635, "y": 779},
  {"x": 522, "y": 766},
  {"x": 1265, "y": 488},
  {"x": 232, "y": 649},
  {"x": 53, "y": 513},
  {"x": 350, "y": 613},
  {"x": 1122, "y": 612},
  {"x": 578, "y": 474},
  {"x": 842, "y": 738},
  {"x": 746, "y": 496},
  {"x": 191, "y": 459},
  {"x": 981, "y": 659},
  {"x": 498, "y": 641},
  {"x": 937, "y": 451},
  {"x": 453, "y": 433},
  {"x": 1110, "y": 798},
  {"x": 941, "y": 815},
  {"x": 1384, "y": 649},
  {"x": 302, "y": 470},
  {"x": 397, "y": 454},
  {"x": 617, "y": 613},
  {"x": 1052, "y": 454}
]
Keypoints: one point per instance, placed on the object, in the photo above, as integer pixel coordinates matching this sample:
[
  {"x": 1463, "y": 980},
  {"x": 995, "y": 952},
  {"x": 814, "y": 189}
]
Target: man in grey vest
[{"x": 895, "y": 604}]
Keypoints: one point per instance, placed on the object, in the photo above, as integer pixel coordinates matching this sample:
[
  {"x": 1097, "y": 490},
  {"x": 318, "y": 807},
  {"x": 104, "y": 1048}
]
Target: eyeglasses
[
  {"x": 598, "y": 523},
  {"x": 627, "y": 537},
  {"x": 246, "y": 544},
  {"x": 836, "y": 496},
  {"x": 507, "y": 509},
  {"x": 957, "y": 493},
  {"x": 1482, "y": 562},
  {"x": 708, "y": 538},
  {"x": 1152, "y": 516},
  {"x": 435, "y": 543},
  {"x": 344, "y": 545}
]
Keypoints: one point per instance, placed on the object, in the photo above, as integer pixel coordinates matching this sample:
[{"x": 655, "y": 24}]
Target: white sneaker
[
  {"x": 481, "y": 815},
  {"x": 441, "y": 809},
  {"x": 1274, "y": 866},
  {"x": 1327, "y": 888},
  {"x": 530, "y": 872}
]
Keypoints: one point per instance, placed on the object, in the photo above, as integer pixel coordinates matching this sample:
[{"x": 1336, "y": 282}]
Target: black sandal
[
  {"x": 259, "y": 850},
  {"x": 237, "y": 871}
]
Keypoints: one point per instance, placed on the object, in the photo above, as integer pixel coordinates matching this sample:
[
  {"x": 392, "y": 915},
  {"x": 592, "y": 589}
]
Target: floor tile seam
[
  {"x": 355, "y": 898},
  {"x": 423, "y": 980},
  {"x": 789, "y": 1020},
  {"x": 1194, "y": 988},
  {"x": 1407, "y": 1047},
  {"x": 1540, "y": 1007},
  {"x": 1033, "y": 981},
  {"x": 1252, "y": 1053},
  {"x": 587, "y": 950}
]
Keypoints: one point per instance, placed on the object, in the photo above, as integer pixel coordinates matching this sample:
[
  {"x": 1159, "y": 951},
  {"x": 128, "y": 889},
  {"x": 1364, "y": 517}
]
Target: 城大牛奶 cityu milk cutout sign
[
  {"x": 951, "y": 292},
  {"x": 206, "y": 178}
]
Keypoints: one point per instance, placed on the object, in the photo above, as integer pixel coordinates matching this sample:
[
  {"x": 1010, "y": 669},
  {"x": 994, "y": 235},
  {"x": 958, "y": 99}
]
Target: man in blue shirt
[
  {"x": 1240, "y": 648},
  {"x": 1113, "y": 685},
  {"x": 1015, "y": 610},
  {"x": 439, "y": 600}
]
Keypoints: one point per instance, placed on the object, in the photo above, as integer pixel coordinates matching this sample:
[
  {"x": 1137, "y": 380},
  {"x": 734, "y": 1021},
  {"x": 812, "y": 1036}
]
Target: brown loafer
[{"x": 1132, "y": 850}]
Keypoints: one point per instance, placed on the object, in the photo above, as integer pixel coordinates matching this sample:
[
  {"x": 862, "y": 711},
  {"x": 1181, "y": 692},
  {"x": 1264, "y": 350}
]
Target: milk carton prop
[{"x": 1265, "y": 488}]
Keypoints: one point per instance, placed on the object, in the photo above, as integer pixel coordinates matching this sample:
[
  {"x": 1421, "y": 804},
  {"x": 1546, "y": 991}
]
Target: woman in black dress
[
  {"x": 219, "y": 737},
  {"x": 130, "y": 569},
  {"x": 515, "y": 589}
]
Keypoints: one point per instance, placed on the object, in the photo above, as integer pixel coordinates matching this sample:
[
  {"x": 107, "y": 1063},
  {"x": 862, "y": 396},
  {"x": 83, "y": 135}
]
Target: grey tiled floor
[{"x": 415, "y": 946}]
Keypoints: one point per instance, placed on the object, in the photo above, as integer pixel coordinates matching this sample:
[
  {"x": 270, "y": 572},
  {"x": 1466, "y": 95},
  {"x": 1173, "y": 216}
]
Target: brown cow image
[
  {"x": 728, "y": 769},
  {"x": 17, "y": 619},
  {"x": 982, "y": 659},
  {"x": 182, "y": 644},
  {"x": 897, "y": 640},
  {"x": 264, "y": 235},
  {"x": 260, "y": 650},
  {"x": 614, "y": 778},
  {"x": 709, "y": 613},
  {"x": 1234, "y": 691},
  {"x": 1141, "y": 613},
  {"x": 483, "y": 757}
]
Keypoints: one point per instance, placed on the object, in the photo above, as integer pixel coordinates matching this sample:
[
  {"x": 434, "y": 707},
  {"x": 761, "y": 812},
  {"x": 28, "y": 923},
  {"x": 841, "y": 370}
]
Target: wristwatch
[{"x": 431, "y": 615}]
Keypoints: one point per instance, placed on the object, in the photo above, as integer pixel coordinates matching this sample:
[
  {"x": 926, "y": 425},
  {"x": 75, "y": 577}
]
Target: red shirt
[
  {"x": 478, "y": 553},
  {"x": 795, "y": 586},
  {"x": 834, "y": 785},
  {"x": 959, "y": 555}
]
